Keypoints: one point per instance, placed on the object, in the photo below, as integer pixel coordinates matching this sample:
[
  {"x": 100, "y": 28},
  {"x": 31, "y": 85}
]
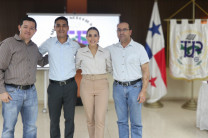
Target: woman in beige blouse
[{"x": 94, "y": 61}]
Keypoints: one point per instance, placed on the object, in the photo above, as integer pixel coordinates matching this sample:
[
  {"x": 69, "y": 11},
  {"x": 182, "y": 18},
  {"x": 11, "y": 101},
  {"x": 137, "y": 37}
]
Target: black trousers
[{"x": 59, "y": 96}]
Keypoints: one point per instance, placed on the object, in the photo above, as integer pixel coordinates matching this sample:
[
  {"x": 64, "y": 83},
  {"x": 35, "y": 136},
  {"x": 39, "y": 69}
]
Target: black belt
[
  {"x": 22, "y": 87},
  {"x": 62, "y": 82},
  {"x": 127, "y": 83}
]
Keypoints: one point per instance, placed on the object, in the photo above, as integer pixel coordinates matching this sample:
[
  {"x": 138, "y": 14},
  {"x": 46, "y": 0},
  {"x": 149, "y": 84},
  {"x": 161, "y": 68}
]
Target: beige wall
[
  {"x": 40, "y": 85},
  {"x": 181, "y": 89},
  {"x": 177, "y": 89}
]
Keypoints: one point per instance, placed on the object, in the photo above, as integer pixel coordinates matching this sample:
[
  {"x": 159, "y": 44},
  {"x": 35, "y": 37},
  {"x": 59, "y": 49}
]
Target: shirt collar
[
  {"x": 67, "y": 41},
  {"x": 130, "y": 43},
  {"x": 100, "y": 49},
  {"x": 16, "y": 36},
  {"x": 86, "y": 49}
]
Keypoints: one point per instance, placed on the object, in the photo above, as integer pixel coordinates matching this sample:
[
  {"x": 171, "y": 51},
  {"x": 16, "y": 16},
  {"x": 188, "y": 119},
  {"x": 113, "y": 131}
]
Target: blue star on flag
[{"x": 155, "y": 29}]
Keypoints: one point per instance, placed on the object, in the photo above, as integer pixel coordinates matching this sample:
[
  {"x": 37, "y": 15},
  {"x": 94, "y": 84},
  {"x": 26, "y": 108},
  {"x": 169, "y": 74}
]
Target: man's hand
[
  {"x": 142, "y": 97},
  {"x": 5, "y": 97},
  {"x": 145, "y": 81},
  {"x": 81, "y": 45}
]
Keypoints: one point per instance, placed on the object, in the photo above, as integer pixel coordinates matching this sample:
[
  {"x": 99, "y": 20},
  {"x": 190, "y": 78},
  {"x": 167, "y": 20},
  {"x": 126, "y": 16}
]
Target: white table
[
  {"x": 202, "y": 107},
  {"x": 45, "y": 87}
]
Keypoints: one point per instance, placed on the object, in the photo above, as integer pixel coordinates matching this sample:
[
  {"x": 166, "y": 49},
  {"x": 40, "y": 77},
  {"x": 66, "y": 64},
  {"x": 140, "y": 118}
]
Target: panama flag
[{"x": 155, "y": 48}]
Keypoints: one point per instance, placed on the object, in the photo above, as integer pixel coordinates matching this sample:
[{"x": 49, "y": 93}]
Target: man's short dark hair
[
  {"x": 61, "y": 18},
  {"x": 26, "y": 18}
]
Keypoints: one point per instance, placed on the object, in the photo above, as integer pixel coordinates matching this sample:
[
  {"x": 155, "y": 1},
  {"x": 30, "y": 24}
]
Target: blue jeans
[
  {"x": 25, "y": 102},
  {"x": 125, "y": 98}
]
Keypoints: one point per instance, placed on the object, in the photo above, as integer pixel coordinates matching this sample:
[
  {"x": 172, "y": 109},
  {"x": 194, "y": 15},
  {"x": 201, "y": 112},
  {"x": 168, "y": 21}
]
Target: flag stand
[
  {"x": 191, "y": 104},
  {"x": 156, "y": 104},
  {"x": 157, "y": 83}
]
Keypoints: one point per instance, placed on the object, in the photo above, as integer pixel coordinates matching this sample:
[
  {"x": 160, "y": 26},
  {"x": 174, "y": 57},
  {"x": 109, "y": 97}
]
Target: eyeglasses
[{"x": 122, "y": 30}]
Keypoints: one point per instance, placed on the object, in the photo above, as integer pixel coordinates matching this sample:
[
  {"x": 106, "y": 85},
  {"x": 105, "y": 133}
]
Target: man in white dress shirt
[
  {"x": 131, "y": 74},
  {"x": 62, "y": 90}
]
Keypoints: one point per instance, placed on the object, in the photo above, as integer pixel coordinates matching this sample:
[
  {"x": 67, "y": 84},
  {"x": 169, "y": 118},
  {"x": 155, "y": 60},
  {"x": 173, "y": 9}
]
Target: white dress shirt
[
  {"x": 61, "y": 58},
  {"x": 127, "y": 61},
  {"x": 99, "y": 64}
]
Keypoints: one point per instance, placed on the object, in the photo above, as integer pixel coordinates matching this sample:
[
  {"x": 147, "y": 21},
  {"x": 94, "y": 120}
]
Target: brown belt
[{"x": 94, "y": 76}]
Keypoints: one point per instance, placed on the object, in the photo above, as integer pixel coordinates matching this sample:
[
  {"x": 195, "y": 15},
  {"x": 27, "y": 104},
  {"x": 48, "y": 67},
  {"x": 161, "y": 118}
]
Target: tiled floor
[{"x": 171, "y": 121}]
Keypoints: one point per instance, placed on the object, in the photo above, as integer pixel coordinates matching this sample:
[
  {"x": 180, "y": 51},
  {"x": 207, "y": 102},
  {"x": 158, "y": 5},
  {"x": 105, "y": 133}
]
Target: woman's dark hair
[{"x": 93, "y": 28}]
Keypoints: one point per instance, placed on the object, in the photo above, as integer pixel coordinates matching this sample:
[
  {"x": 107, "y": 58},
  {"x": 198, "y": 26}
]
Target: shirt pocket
[{"x": 132, "y": 59}]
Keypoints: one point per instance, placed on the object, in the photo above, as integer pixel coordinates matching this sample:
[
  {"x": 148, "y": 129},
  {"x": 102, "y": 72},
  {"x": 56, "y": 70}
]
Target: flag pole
[
  {"x": 191, "y": 104},
  {"x": 156, "y": 104}
]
